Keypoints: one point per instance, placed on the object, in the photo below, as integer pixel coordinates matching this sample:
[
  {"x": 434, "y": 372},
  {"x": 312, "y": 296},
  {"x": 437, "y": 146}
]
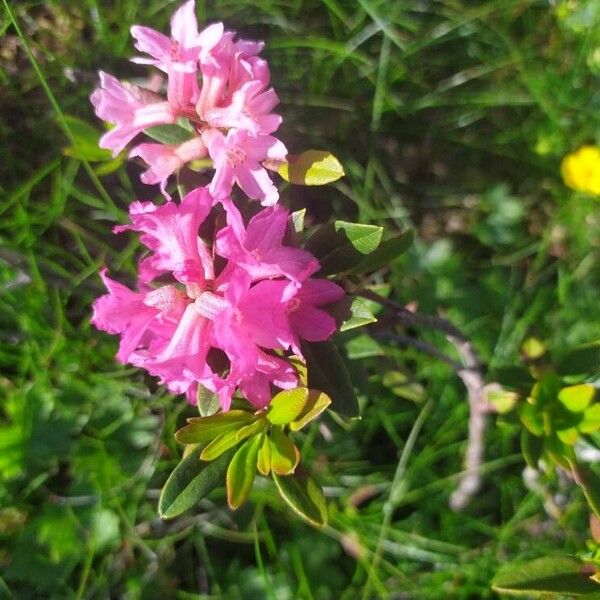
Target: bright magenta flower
[
  {"x": 259, "y": 248},
  {"x": 197, "y": 321}
]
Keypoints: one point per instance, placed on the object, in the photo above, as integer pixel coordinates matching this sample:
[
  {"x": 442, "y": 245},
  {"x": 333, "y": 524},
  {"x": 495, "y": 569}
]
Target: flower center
[
  {"x": 235, "y": 156},
  {"x": 293, "y": 305}
]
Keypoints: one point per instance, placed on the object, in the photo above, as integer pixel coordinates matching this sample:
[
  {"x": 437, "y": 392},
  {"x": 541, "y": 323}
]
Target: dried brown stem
[{"x": 469, "y": 370}]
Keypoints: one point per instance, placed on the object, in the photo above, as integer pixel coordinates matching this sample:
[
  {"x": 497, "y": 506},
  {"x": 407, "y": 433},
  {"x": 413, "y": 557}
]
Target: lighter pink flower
[
  {"x": 178, "y": 55},
  {"x": 131, "y": 108},
  {"x": 237, "y": 159},
  {"x": 164, "y": 160}
]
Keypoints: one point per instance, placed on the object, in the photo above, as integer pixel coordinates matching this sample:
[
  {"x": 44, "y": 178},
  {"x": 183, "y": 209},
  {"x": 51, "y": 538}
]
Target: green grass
[{"x": 450, "y": 117}]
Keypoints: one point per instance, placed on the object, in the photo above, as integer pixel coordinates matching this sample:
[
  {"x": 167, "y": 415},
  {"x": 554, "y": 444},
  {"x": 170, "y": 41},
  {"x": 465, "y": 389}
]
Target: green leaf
[
  {"x": 591, "y": 419},
  {"x": 577, "y": 398},
  {"x": 287, "y": 405},
  {"x": 352, "y": 312},
  {"x": 242, "y": 471},
  {"x": 532, "y": 418},
  {"x": 220, "y": 444},
  {"x": 589, "y": 482},
  {"x": 548, "y": 575},
  {"x": 532, "y": 448},
  {"x": 568, "y": 436},
  {"x": 327, "y": 371},
  {"x": 190, "y": 481},
  {"x": 284, "y": 454},
  {"x": 85, "y": 142},
  {"x": 207, "y": 402},
  {"x": 263, "y": 460},
  {"x": 204, "y": 429},
  {"x": 313, "y": 167},
  {"x": 387, "y": 252},
  {"x": 340, "y": 245},
  {"x": 304, "y": 497},
  {"x": 317, "y": 402},
  {"x": 249, "y": 430},
  {"x": 172, "y": 135},
  {"x": 502, "y": 400}
]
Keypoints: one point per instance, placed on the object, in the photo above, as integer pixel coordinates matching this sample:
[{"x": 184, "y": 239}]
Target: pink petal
[
  {"x": 312, "y": 324},
  {"x": 257, "y": 184},
  {"x": 184, "y": 25},
  {"x": 153, "y": 43},
  {"x": 319, "y": 292}
]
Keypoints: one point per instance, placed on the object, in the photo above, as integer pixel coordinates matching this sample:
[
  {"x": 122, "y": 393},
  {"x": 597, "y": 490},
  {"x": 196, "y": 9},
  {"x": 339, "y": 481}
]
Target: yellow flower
[{"x": 580, "y": 170}]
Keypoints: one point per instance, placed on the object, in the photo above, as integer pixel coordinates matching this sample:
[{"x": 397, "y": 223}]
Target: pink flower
[
  {"x": 131, "y": 313},
  {"x": 250, "y": 109},
  {"x": 171, "y": 232},
  {"x": 290, "y": 312},
  {"x": 237, "y": 159},
  {"x": 164, "y": 160},
  {"x": 259, "y": 248},
  {"x": 131, "y": 108},
  {"x": 178, "y": 55}
]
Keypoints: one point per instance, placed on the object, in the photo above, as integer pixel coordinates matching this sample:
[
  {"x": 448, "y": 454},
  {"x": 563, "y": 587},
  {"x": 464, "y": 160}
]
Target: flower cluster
[
  {"x": 220, "y": 303},
  {"x": 218, "y": 87},
  {"x": 222, "y": 317}
]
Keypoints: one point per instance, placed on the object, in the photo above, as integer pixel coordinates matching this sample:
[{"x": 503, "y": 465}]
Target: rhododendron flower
[
  {"x": 178, "y": 56},
  {"x": 260, "y": 301},
  {"x": 171, "y": 232},
  {"x": 237, "y": 159},
  {"x": 296, "y": 310},
  {"x": 131, "y": 108},
  {"x": 219, "y": 85},
  {"x": 259, "y": 248},
  {"x": 164, "y": 160}
]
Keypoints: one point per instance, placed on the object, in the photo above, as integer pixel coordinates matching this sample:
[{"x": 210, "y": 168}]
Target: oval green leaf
[
  {"x": 190, "y": 481},
  {"x": 548, "y": 575},
  {"x": 591, "y": 419},
  {"x": 287, "y": 405},
  {"x": 263, "y": 460},
  {"x": 285, "y": 456},
  {"x": 172, "y": 135},
  {"x": 388, "y": 251},
  {"x": 317, "y": 402},
  {"x": 313, "y": 167},
  {"x": 304, "y": 497},
  {"x": 242, "y": 471},
  {"x": 205, "y": 429},
  {"x": 577, "y": 398},
  {"x": 341, "y": 245}
]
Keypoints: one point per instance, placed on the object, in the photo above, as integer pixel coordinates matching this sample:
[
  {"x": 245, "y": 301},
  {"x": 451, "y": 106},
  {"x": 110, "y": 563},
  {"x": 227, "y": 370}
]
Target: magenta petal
[
  {"x": 266, "y": 229},
  {"x": 319, "y": 292},
  {"x": 312, "y": 324}
]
